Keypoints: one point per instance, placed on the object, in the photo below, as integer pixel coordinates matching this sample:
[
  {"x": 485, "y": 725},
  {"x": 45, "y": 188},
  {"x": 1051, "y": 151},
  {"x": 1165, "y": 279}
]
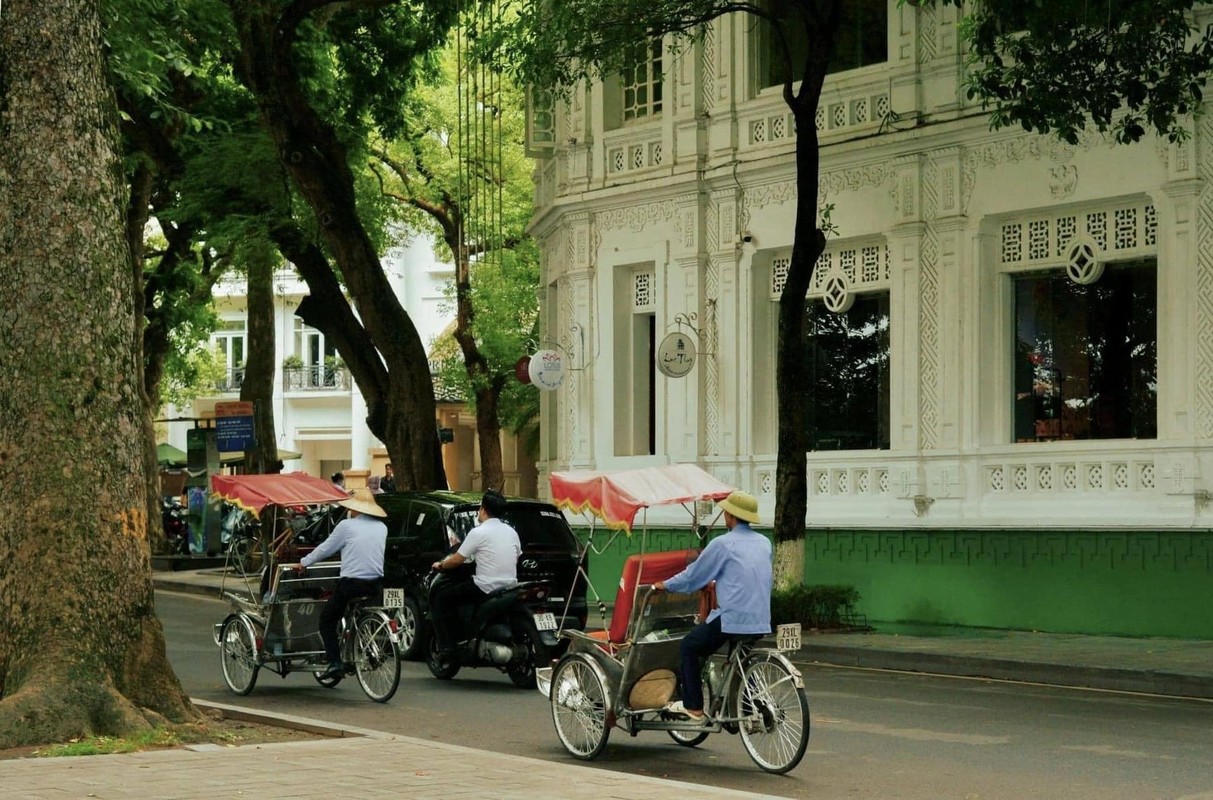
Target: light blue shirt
[
  {"x": 740, "y": 563},
  {"x": 361, "y": 541}
]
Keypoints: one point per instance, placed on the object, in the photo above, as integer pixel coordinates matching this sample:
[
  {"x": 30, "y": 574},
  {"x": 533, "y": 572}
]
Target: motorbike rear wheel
[{"x": 522, "y": 673}]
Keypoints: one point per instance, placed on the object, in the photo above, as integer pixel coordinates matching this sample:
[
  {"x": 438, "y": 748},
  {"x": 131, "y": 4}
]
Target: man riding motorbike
[{"x": 495, "y": 548}]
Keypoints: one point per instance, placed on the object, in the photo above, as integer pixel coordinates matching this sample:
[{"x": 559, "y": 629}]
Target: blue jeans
[{"x": 703, "y": 640}]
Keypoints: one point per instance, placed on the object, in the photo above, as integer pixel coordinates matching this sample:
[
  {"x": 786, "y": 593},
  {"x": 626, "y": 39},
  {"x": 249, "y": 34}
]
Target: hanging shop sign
[
  {"x": 546, "y": 369},
  {"x": 676, "y": 355}
]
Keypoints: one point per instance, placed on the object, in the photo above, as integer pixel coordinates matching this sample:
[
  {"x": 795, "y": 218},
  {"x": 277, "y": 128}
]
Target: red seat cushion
[{"x": 640, "y": 570}]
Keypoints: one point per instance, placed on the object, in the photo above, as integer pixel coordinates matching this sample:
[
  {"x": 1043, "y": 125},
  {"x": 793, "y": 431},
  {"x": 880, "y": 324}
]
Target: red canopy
[
  {"x": 615, "y": 497},
  {"x": 255, "y": 492}
]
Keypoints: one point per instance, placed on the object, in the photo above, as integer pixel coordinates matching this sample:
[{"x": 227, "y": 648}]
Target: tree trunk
[
  {"x": 258, "y": 385},
  {"x": 488, "y": 431},
  {"x": 81, "y": 650},
  {"x": 792, "y": 376},
  {"x": 318, "y": 164}
]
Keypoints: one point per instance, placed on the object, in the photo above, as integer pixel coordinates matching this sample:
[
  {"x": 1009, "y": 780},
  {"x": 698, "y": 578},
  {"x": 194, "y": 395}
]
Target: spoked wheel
[
  {"x": 410, "y": 636},
  {"x": 775, "y": 715},
  {"x": 376, "y": 659},
  {"x": 579, "y": 708},
  {"x": 522, "y": 673},
  {"x": 688, "y": 738},
  {"x": 246, "y": 556},
  {"x": 238, "y": 655},
  {"x": 442, "y": 667}
]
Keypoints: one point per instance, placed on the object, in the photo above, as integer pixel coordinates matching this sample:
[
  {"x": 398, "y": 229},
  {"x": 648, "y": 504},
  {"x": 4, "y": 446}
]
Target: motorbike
[
  {"x": 176, "y": 528},
  {"x": 511, "y": 630}
]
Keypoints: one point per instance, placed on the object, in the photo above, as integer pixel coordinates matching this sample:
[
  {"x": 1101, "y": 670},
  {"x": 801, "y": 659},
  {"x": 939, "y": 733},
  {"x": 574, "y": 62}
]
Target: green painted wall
[{"x": 1134, "y": 583}]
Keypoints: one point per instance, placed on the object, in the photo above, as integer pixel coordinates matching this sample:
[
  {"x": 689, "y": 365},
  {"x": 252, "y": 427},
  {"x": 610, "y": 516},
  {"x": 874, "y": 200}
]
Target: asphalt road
[{"x": 875, "y": 734}]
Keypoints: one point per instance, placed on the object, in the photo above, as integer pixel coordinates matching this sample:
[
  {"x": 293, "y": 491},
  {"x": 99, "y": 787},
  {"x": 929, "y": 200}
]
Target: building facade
[{"x": 1011, "y": 336}]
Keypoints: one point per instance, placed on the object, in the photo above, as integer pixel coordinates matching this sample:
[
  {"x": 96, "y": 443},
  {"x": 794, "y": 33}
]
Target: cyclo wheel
[
  {"x": 579, "y": 708},
  {"x": 774, "y": 714},
  {"x": 238, "y": 655},
  {"x": 376, "y": 657},
  {"x": 695, "y": 738}
]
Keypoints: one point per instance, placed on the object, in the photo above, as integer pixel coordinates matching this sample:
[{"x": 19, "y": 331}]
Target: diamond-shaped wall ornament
[
  {"x": 837, "y": 296},
  {"x": 1082, "y": 261}
]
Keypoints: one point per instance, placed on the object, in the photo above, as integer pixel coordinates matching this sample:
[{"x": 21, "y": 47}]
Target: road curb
[
  {"x": 1107, "y": 678},
  {"x": 291, "y": 721}
]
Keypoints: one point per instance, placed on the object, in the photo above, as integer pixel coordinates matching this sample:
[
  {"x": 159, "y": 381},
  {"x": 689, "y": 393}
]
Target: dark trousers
[
  {"x": 347, "y": 589},
  {"x": 445, "y": 600},
  {"x": 703, "y": 640}
]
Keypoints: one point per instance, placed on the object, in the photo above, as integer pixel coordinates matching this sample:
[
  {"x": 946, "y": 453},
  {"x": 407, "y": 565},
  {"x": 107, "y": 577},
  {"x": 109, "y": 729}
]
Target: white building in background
[
  {"x": 1008, "y": 330},
  {"x": 1012, "y": 337},
  {"x": 318, "y": 411}
]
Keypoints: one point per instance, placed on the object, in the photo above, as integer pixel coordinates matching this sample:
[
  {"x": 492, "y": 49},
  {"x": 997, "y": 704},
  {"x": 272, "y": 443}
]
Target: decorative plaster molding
[
  {"x": 1203, "y": 338},
  {"x": 1027, "y": 146},
  {"x": 926, "y": 34},
  {"x": 928, "y": 313},
  {"x": 636, "y": 217},
  {"x": 1063, "y": 180}
]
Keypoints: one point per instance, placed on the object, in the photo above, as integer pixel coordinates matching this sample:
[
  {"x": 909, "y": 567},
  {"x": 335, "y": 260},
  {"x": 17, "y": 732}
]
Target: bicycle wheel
[
  {"x": 238, "y": 655},
  {"x": 376, "y": 657},
  {"x": 579, "y": 708},
  {"x": 774, "y": 714},
  {"x": 688, "y": 738}
]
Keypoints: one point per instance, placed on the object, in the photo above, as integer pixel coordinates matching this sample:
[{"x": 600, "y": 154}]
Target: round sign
[
  {"x": 546, "y": 369},
  {"x": 676, "y": 355},
  {"x": 522, "y": 369}
]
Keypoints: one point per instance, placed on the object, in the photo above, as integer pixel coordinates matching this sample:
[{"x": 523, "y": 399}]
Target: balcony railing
[
  {"x": 316, "y": 379},
  {"x": 231, "y": 382}
]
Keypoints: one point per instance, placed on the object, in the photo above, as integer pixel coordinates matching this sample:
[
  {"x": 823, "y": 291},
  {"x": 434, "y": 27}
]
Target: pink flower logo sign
[{"x": 546, "y": 370}]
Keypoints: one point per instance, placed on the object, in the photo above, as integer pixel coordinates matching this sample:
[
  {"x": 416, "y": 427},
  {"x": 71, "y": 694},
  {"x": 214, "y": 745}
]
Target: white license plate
[
  {"x": 393, "y": 598},
  {"x": 787, "y": 637},
  {"x": 545, "y": 621}
]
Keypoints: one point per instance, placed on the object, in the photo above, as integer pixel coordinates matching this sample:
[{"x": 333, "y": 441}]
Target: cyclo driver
[
  {"x": 495, "y": 547},
  {"x": 361, "y": 540}
]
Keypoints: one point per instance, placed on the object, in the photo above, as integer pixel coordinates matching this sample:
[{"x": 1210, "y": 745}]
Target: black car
[{"x": 425, "y": 526}]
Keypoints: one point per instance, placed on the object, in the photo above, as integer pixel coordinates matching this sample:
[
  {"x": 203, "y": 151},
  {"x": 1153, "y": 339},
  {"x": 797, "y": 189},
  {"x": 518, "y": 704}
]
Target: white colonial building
[{"x": 1012, "y": 337}]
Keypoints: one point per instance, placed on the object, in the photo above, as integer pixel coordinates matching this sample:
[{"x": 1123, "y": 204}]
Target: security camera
[{"x": 746, "y": 237}]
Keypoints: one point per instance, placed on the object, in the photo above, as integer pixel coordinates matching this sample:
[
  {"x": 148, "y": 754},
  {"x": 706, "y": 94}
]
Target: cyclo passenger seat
[{"x": 640, "y": 570}]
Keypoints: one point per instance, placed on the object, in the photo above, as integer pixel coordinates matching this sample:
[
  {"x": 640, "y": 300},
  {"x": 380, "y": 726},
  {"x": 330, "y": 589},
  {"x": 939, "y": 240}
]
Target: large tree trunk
[
  {"x": 318, "y": 164},
  {"x": 81, "y": 650},
  {"x": 488, "y": 431},
  {"x": 258, "y": 385}
]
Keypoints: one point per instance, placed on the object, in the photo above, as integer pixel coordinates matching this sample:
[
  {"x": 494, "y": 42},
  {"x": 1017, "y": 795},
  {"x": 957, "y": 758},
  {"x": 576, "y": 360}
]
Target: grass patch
[{"x": 104, "y": 745}]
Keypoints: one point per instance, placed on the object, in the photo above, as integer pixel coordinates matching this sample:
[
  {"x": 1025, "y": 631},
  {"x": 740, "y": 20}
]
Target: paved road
[{"x": 875, "y": 734}]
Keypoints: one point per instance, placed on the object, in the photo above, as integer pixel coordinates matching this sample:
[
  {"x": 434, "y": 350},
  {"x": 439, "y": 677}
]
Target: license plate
[
  {"x": 393, "y": 598},
  {"x": 545, "y": 621},
  {"x": 787, "y": 637}
]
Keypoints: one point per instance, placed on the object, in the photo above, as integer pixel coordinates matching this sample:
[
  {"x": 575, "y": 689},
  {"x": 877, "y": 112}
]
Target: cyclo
[
  {"x": 275, "y": 624},
  {"x": 622, "y": 677}
]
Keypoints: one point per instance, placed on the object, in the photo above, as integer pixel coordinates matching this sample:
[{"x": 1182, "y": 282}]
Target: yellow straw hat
[
  {"x": 363, "y": 502},
  {"x": 742, "y": 505}
]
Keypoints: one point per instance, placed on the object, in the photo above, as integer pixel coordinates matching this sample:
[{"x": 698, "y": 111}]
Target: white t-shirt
[{"x": 495, "y": 547}]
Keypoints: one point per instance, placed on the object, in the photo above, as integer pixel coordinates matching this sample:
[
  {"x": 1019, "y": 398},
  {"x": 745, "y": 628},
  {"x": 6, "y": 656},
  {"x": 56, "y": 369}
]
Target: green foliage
[
  {"x": 822, "y": 606},
  {"x": 192, "y": 372},
  {"x": 561, "y": 43},
  {"x": 1125, "y": 67},
  {"x": 292, "y": 362}
]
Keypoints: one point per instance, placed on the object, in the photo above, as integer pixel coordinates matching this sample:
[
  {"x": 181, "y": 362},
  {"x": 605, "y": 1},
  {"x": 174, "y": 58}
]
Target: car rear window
[{"x": 541, "y": 527}]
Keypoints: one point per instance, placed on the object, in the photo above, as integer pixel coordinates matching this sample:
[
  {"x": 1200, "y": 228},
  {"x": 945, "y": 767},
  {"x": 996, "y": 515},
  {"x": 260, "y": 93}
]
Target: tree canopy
[{"x": 1121, "y": 66}]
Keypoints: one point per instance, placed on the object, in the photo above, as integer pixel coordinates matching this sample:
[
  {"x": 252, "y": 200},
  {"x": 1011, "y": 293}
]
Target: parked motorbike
[
  {"x": 512, "y": 630},
  {"x": 176, "y": 527}
]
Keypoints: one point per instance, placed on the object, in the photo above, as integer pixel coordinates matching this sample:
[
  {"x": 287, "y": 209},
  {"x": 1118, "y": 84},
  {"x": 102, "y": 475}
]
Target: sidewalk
[
  {"x": 1177, "y": 667},
  {"x": 360, "y": 764}
]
